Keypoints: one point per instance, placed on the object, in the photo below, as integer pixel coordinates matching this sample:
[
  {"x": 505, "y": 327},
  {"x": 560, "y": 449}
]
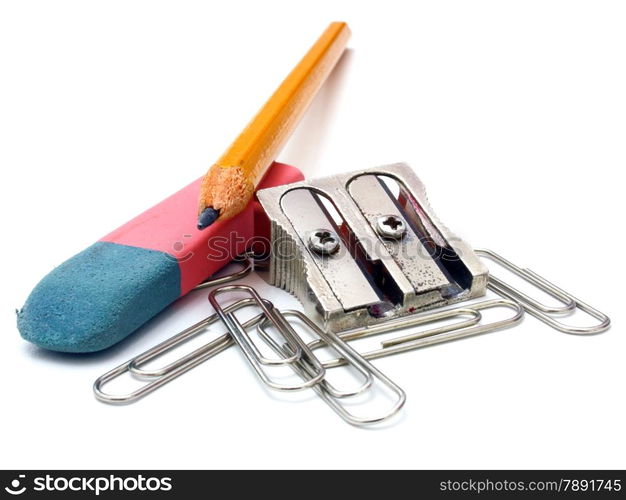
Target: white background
[{"x": 513, "y": 115}]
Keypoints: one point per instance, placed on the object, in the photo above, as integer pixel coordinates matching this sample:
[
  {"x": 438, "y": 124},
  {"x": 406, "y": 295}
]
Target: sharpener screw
[
  {"x": 323, "y": 241},
  {"x": 390, "y": 226}
]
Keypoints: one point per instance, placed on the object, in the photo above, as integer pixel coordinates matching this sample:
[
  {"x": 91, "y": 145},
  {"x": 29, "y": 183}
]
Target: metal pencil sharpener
[{"x": 365, "y": 247}]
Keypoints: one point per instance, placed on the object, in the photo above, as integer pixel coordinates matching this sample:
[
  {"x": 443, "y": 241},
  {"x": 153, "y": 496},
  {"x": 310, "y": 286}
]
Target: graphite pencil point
[{"x": 208, "y": 216}]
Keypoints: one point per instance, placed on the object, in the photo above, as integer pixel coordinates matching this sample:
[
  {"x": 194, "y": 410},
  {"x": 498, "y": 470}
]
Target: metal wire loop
[
  {"x": 295, "y": 348},
  {"x": 248, "y": 265},
  {"x": 178, "y": 367},
  {"x": 541, "y": 311},
  {"x": 419, "y": 340},
  {"x": 367, "y": 376},
  {"x": 472, "y": 318},
  {"x": 352, "y": 358},
  {"x": 568, "y": 304}
]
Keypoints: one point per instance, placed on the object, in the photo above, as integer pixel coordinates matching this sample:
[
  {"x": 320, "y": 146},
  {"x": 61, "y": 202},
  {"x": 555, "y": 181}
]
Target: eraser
[{"x": 104, "y": 293}]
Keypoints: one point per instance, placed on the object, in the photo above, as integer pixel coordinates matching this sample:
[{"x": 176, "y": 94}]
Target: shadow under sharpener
[{"x": 364, "y": 247}]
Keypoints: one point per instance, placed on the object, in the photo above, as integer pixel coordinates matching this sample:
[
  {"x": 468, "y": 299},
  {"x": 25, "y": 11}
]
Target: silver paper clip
[
  {"x": 248, "y": 265},
  {"x": 541, "y": 311},
  {"x": 469, "y": 317},
  {"x": 329, "y": 394},
  {"x": 446, "y": 333},
  {"x": 296, "y": 349},
  {"x": 173, "y": 370},
  {"x": 182, "y": 365}
]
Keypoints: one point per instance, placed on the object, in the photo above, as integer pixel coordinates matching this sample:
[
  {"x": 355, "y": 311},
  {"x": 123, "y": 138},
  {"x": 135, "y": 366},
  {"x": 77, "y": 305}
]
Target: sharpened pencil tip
[{"x": 208, "y": 216}]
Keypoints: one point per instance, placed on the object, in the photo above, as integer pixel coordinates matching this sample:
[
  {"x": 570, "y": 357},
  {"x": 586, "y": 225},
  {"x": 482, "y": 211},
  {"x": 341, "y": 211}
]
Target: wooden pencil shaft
[
  {"x": 229, "y": 184},
  {"x": 259, "y": 143}
]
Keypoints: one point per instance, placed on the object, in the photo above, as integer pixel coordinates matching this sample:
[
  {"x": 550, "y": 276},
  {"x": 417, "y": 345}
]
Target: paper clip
[
  {"x": 541, "y": 311},
  {"x": 248, "y": 265},
  {"x": 262, "y": 329},
  {"x": 187, "y": 362},
  {"x": 368, "y": 379},
  {"x": 473, "y": 316},
  {"x": 296, "y": 349},
  {"x": 428, "y": 338},
  {"x": 329, "y": 394},
  {"x": 170, "y": 372}
]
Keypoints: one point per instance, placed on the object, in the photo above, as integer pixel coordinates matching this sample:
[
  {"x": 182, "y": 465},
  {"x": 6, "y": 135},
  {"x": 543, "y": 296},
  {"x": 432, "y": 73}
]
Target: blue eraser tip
[{"x": 98, "y": 297}]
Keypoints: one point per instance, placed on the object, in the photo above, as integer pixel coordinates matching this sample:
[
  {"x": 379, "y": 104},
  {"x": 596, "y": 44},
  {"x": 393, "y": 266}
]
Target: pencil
[{"x": 229, "y": 184}]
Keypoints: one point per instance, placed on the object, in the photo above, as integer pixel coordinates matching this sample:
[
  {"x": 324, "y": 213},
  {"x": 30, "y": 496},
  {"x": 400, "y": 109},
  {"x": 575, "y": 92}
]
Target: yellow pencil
[{"x": 229, "y": 184}]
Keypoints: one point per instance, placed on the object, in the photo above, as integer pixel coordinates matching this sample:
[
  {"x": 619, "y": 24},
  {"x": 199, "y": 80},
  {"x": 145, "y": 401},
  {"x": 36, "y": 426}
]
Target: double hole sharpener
[{"x": 365, "y": 247}]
